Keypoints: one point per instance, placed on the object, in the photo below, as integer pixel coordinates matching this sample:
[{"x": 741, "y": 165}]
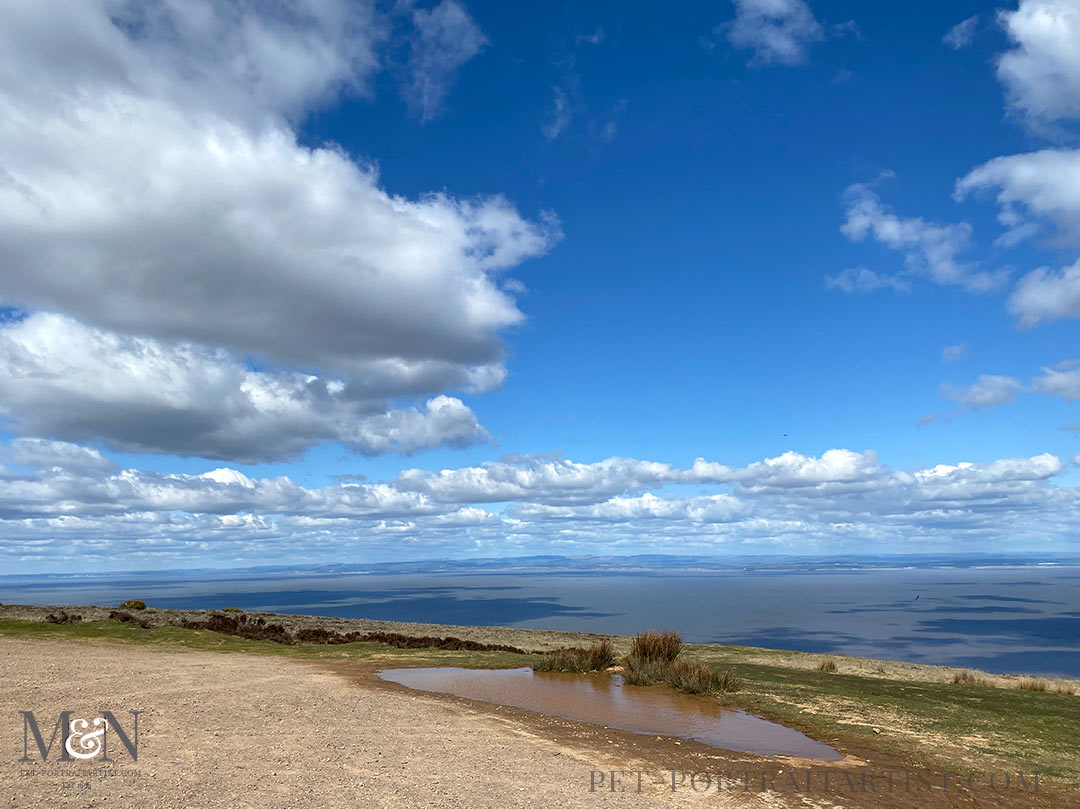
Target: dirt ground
[{"x": 232, "y": 730}]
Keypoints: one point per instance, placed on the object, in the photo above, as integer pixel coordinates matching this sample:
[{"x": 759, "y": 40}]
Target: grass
[
  {"x": 933, "y": 724},
  {"x": 971, "y": 678},
  {"x": 659, "y": 646},
  {"x": 654, "y": 659},
  {"x": 1033, "y": 684},
  {"x": 596, "y": 658},
  {"x": 827, "y": 665}
]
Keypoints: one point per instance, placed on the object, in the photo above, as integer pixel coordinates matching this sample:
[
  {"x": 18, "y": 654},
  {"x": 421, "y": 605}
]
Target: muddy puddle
[{"x": 603, "y": 700}]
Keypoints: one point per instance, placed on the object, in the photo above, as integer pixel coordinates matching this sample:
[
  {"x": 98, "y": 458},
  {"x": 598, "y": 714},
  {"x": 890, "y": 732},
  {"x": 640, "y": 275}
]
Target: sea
[{"x": 999, "y": 614}]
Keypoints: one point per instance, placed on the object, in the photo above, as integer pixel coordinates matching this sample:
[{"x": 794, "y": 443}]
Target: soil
[{"x": 232, "y": 730}]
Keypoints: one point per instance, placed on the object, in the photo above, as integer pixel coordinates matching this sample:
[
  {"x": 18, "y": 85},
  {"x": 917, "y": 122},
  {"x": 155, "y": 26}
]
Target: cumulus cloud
[
  {"x": 1032, "y": 186},
  {"x": 1047, "y": 294},
  {"x": 72, "y": 382},
  {"x": 962, "y": 34},
  {"x": 778, "y": 31},
  {"x": 929, "y": 249},
  {"x": 1041, "y": 73},
  {"x": 445, "y": 38},
  {"x": 154, "y": 189},
  {"x": 60, "y": 499}
]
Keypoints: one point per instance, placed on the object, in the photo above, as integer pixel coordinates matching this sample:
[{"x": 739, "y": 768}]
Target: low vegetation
[
  {"x": 597, "y": 657},
  {"x": 827, "y": 665},
  {"x": 658, "y": 646},
  {"x": 971, "y": 678},
  {"x": 1032, "y": 684},
  {"x": 258, "y": 628},
  {"x": 133, "y": 604},
  {"x": 654, "y": 659},
  {"x": 62, "y": 617}
]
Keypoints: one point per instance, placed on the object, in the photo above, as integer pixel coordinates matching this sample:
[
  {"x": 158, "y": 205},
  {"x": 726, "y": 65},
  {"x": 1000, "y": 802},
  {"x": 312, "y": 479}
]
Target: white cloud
[
  {"x": 72, "y": 504},
  {"x": 1041, "y": 73},
  {"x": 1047, "y": 294},
  {"x": 153, "y": 189},
  {"x": 1044, "y": 184},
  {"x": 1063, "y": 382},
  {"x": 928, "y": 248},
  {"x": 68, "y": 381},
  {"x": 446, "y": 37},
  {"x": 988, "y": 390},
  {"x": 778, "y": 31},
  {"x": 954, "y": 352},
  {"x": 962, "y": 34},
  {"x": 860, "y": 279}
]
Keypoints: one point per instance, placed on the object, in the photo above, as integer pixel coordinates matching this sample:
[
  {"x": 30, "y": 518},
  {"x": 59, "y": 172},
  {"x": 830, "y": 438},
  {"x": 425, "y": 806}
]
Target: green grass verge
[{"x": 939, "y": 725}]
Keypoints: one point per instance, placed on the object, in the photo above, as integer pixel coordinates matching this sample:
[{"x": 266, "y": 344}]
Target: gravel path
[{"x": 233, "y": 731}]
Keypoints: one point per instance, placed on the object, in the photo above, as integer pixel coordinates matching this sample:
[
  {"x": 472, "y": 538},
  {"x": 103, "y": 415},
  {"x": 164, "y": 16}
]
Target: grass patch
[
  {"x": 827, "y": 665},
  {"x": 596, "y": 658},
  {"x": 654, "y": 659},
  {"x": 932, "y": 724},
  {"x": 660, "y": 646},
  {"x": 133, "y": 604},
  {"x": 1032, "y": 684},
  {"x": 971, "y": 678}
]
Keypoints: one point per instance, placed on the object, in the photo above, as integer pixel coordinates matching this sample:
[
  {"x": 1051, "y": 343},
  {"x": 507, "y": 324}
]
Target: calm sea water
[{"x": 1000, "y": 619}]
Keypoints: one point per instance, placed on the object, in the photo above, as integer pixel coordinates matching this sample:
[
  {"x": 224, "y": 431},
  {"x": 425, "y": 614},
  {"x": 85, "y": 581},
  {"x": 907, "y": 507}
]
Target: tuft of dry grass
[
  {"x": 133, "y": 604},
  {"x": 1062, "y": 688},
  {"x": 827, "y": 665},
  {"x": 971, "y": 678},
  {"x": 1032, "y": 684},
  {"x": 662, "y": 646},
  {"x": 640, "y": 671},
  {"x": 596, "y": 658}
]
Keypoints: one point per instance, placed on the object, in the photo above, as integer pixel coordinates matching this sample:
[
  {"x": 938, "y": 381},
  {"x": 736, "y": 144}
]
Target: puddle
[{"x": 602, "y": 700}]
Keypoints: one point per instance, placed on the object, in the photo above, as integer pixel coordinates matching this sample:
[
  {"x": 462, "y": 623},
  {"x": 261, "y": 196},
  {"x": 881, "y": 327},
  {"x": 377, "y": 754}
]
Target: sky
[{"x": 313, "y": 281}]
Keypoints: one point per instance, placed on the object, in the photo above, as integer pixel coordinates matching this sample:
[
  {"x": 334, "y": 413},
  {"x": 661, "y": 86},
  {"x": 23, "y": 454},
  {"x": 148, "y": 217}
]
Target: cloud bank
[{"x": 155, "y": 202}]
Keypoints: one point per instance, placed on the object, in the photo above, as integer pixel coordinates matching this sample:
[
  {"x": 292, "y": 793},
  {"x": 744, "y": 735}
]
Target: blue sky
[{"x": 800, "y": 241}]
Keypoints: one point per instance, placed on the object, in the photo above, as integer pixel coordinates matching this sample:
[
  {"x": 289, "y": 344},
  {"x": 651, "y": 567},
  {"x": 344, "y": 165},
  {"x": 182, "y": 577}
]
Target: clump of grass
[
  {"x": 1061, "y": 688},
  {"x": 695, "y": 677},
  {"x": 880, "y": 669},
  {"x": 971, "y": 678},
  {"x": 827, "y": 665},
  {"x": 596, "y": 658},
  {"x": 63, "y": 617},
  {"x": 133, "y": 604},
  {"x": 691, "y": 676},
  {"x": 232, "y": 609},
  {"x": 662, "y": 646},
  {"x": 642, "y": 671},
  {"x": 1032, "y": 684}
]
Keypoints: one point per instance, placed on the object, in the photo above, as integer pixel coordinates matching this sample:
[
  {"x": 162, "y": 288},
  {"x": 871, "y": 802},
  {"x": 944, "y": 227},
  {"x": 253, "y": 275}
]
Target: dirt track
[{"x": 231, "y": 730}]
